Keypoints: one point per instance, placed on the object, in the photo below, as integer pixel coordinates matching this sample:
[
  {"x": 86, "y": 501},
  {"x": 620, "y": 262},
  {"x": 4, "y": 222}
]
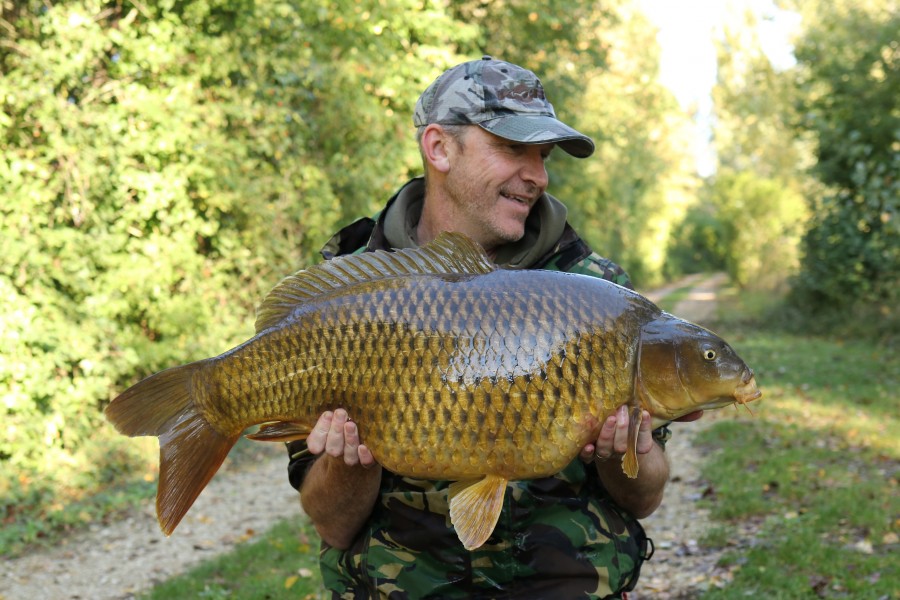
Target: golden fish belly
[{"x": 446, "y": 377}]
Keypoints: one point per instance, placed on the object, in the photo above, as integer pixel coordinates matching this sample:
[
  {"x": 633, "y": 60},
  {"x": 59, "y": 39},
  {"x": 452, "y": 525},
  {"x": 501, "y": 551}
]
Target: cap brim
[{"x": 540, "y": 129}]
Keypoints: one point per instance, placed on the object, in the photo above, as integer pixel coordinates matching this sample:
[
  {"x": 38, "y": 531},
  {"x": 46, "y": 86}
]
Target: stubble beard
[{"x": 480, "y": 208}]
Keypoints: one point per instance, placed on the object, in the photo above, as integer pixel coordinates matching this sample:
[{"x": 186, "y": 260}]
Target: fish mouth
[{"x": 747, "y": 391}]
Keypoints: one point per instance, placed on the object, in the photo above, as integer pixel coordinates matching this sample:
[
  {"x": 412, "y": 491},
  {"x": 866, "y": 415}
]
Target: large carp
[{"x": 451, "y": 367}]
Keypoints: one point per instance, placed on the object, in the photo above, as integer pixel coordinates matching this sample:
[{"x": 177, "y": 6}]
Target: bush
[{"x": 164, "y": 164}]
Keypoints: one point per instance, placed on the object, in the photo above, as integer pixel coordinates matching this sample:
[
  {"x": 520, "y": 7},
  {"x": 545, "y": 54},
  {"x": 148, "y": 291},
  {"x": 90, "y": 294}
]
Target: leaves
[{"x": 849, "y": 60}]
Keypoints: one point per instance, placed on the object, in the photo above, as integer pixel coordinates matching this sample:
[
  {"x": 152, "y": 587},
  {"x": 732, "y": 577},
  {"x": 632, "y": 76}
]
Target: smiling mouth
[{"x": 517, "y": 199}]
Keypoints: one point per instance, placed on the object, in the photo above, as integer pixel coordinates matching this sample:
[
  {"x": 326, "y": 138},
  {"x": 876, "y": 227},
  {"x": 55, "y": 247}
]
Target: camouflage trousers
[{"x": 558, "y": 537}]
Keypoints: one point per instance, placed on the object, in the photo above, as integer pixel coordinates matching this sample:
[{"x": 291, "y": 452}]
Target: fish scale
[
  {"x": 451, "y": 368},
  {"x": 459, "y": 347}
]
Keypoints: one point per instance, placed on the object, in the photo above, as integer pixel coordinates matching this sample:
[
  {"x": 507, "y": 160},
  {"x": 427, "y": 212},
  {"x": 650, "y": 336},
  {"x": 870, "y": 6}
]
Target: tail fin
[{"x": 190, "y": 450}]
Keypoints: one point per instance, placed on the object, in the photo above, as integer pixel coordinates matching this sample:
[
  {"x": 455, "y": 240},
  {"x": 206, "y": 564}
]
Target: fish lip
[
  {"x": 717, "y": 403},
  {"x": 747, "y": 391}
]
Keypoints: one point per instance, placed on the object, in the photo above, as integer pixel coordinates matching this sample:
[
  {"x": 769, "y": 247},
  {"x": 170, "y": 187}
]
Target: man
[{"x": 485, "y": 130}]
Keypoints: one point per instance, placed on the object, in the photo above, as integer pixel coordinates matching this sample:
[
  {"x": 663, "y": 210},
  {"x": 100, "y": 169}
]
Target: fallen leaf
[
  {"x": 290, "y": 581},
  {"x": 248, "y": 533},
  {"x": 819, "y": 585}
]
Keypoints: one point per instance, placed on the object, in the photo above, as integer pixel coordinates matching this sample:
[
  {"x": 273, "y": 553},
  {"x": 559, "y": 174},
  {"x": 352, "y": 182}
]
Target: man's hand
[
  {"x": 613, "y": 438},
  {"x": 336, "y": 435},
  {"x": 336, "y": 494},
  {"x": 642, "y": 495}
]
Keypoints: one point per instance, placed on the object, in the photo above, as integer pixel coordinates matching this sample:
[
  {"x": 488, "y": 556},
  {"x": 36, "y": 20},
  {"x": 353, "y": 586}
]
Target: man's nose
[{"x": 534, "y": 171}]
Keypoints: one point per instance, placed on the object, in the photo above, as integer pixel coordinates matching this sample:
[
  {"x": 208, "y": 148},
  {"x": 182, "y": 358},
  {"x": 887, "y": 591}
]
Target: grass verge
[
  {"x": 282, "y": 564},
  {"x": 671, "y": 300},
  {"x": 806, "y": 493}
]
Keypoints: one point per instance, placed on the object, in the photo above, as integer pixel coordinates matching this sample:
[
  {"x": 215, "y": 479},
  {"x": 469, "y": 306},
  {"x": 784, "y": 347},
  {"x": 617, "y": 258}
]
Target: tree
[
  {"x": 849, "y": 58},
  {"x": 757, "y": 193},
  {"x": 758, "y": 230},
  {"x": 627, "y": 197}
]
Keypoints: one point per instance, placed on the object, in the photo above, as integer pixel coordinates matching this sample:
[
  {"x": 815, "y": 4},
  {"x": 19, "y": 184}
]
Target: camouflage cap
[{"x": 501, "y": 98}]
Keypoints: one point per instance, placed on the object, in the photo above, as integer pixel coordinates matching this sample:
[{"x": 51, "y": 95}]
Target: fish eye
[{"x": 709, "y": 354}]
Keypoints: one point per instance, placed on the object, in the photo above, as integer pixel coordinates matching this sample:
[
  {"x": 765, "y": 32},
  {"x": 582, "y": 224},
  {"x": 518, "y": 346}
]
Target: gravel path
[
  {"x": 680, "y": 567},
  {"x": 115, "y": 561},
  {"x": 131, "y": 555}
]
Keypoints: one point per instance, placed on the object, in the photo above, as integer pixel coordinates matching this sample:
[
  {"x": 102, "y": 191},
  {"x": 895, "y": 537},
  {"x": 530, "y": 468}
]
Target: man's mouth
[{"x": 523, "y": 200}]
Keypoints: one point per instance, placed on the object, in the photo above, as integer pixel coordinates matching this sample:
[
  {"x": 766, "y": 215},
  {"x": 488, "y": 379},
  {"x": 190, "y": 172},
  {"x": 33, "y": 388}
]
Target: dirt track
[
  {"x": 131, "y": 555},
  {"x": 681, "y": 568}
]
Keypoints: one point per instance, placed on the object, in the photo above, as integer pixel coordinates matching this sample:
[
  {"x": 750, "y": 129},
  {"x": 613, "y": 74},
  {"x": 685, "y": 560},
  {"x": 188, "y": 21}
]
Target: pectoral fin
[
  {"x": 281, "y": 431},
  {"x": 636, "y": 415},
  {"x": 475, "y": 507},
  {"x": 630, "y": 461}
]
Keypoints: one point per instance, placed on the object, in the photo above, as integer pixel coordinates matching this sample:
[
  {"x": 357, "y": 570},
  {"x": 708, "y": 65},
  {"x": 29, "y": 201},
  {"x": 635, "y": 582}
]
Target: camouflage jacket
[{"x": 557, "y": 537}]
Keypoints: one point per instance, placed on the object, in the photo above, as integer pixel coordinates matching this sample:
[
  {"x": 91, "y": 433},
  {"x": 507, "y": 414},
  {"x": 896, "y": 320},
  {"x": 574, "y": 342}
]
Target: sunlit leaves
[{"x": 849, "y": 59}]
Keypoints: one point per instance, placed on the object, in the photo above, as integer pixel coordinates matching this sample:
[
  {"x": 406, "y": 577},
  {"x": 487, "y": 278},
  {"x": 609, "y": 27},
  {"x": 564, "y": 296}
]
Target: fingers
[
  {"x": 336, "y": 435},
  {"x": 319, "y": 435},
  {"x": 606, "y": 441},
  {"x": 355, "y": 453},
  {"x": 613, "y": 438},
  {"x": 365, "y": 456},
  {"x": 587, "y": 453},
  {"x": 334, "y": 443},
  {"x": 620, "y": 441}
]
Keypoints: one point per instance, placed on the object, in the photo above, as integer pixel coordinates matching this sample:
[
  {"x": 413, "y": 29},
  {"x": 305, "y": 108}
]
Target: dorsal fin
[{"x": 448, "y": 253}]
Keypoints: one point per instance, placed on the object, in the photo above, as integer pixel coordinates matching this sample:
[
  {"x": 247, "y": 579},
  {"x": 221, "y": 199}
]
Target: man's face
[{"x": 493, "y": 183}]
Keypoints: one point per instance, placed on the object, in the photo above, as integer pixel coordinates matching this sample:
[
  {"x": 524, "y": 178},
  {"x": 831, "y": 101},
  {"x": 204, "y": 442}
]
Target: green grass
[
  {"x": 805, "y": 494},
  {"x": 671, "y": 300},
  {"x": 282, "y": 564}
]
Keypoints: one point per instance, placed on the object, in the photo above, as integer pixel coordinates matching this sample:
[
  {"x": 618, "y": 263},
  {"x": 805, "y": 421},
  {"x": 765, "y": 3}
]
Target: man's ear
[{"x": 436, "y": 146}]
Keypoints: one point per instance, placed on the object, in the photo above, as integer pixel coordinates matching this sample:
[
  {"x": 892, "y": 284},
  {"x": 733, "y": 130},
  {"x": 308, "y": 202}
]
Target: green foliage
[
  {"x": 850, "y": 58},
  {"x": 628, "y": 196},
  {"x": 852, "y": 249},
  {"x": 697, "y": 247},
  {"x": 758, "y": 222},
  {"x": 756, "y": 199}
]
